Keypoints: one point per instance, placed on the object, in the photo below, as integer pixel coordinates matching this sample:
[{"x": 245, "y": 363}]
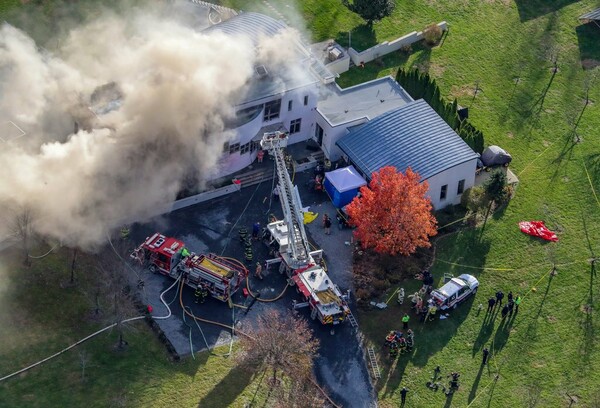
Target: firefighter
[
  {"x": 391, "y": 337},
  {"x": 248, "y": 255},
  {"x": 402, "y": 345},
  {"x": 243, "y": 234},
  {"x": 124, "y": 232},
  {"x": 432, "y": 311},
  {"x": 393, "y": 349},
  {"x": 200, "y": 294},
  {"x": 410, "y": 339},
  {"x": 258, "y": 271}
]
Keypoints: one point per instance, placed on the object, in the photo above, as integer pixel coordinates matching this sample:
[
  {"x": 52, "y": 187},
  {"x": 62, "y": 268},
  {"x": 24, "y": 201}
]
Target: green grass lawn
[
  {"x": 551, "y": 347},
  {"x": 40, "y": 315}
]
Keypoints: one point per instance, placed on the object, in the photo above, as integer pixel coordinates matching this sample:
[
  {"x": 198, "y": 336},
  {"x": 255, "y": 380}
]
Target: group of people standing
[
  {"x": 510, "y": 307},
  {"x": 399, "y": 342}
]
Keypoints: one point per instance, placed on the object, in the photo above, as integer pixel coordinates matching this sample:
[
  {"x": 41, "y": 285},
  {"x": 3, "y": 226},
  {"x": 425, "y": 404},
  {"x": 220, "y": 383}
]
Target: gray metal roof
[
  {"x": 249, "y": 25},
  {"x": 413, "y": 135},
  {"x": 592, "y": 15},
  {"x": 369, "y": 100},
  {"x": 280, "y": 78}
]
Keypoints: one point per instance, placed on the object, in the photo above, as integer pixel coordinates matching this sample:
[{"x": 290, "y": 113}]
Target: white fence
[
  {"x": 386, "y": 47},
  {"x": 204, "y": 196}
]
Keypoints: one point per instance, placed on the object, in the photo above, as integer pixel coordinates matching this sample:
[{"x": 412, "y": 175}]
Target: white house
[
  {"x": 372, "y": 125},
  {"x": 414, "y": 136},
  {"x": 277, "y": 99},
  {"x": 341, "y": 109}
]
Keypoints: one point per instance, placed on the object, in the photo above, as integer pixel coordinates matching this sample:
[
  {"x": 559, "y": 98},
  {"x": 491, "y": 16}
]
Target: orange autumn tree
[{"x": 393, "y": 214}]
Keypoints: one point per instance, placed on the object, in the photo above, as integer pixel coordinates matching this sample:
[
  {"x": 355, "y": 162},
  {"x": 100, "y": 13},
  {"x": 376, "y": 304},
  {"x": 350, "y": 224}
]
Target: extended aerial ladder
[{"x": 300, "y": 263}]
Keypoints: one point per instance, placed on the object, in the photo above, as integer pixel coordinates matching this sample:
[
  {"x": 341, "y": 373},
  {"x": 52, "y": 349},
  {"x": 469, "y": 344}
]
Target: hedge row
[{"x": 422, "y": 86}]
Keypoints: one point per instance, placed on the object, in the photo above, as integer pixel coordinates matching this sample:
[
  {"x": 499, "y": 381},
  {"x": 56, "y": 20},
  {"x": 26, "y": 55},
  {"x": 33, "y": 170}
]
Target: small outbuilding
[{"x": 343, "y": 184}]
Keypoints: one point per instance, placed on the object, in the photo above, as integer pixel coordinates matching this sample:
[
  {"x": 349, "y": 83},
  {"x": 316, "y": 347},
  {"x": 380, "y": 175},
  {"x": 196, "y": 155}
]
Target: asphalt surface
[{"x": 213, "y": 227}]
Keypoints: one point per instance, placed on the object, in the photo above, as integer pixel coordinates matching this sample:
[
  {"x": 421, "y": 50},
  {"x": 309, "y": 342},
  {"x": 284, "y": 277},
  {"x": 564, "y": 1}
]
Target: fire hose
[{"x": 6, "y": 377}]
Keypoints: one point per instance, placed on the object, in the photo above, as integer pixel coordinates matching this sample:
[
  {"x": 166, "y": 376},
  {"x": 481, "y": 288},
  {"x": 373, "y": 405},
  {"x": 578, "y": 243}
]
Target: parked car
[
  {"x": 495, "y": 156},
  {"x": 454, "y": 291}
]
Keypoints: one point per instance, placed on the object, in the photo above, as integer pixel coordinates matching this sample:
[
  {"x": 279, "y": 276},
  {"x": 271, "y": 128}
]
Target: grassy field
[
  {"x": 549, "y": 350},
  {"x": 42, "y": 314}
]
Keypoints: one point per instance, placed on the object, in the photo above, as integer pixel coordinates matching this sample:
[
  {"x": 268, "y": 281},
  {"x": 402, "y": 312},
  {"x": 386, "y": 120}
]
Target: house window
[
  {"x": 234, "y": 148},
  {"x": 289, "y": 106},
  {"x": 272, "y": 110},
  {"x": 255, "y": 145},
  {"x": 245, "y": 148},
  {"x": 226, "y": 147},
  {"x": 443, "y": 192},
  {"x": 295, "y": 126},
  {"x": 461, "y": 187},
  {"x": 305, "y": 100}
]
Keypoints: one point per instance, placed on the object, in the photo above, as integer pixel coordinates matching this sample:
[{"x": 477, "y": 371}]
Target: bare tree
[
  {"x": 281, "y": 342},
  {"x": 21, "y": 228},
  {"x": 299, "y": 394},
  {"x": 75, "y": 252},
  {"x": 116, "y": 293}
]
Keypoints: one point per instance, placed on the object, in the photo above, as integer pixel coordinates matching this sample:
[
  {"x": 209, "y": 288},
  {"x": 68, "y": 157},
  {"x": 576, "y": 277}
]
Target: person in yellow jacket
[
  {"x": 405, "y": 320},
  {"x": 432, "y": 311}
]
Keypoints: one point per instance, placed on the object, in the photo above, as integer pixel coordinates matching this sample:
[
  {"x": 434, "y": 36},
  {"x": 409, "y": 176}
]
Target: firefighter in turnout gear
[
  {"x": 124, "y": 232},
  {"x": 248, "y": 254},
  {"x": 200, "y": 294}
]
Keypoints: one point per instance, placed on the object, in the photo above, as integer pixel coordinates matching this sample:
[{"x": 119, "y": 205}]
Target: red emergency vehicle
[{"x": 219, "y": 276}]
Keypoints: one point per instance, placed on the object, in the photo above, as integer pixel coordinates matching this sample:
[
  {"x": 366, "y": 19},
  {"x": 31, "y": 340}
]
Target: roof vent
[{"x": 261, "y": 71}]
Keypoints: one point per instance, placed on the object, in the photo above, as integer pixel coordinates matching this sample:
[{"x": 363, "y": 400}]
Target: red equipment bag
[{"x": 537, "y": 229}]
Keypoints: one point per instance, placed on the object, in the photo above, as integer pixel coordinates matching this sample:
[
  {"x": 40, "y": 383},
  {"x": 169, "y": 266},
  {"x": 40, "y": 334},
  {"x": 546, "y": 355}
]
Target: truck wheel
[{"x": 152, "y": 268}]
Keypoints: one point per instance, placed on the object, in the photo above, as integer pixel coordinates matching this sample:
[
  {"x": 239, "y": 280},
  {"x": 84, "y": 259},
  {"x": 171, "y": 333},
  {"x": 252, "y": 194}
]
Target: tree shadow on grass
[
  {"x": 587, "y": 323},
  {"x": 531, "y": 330},
  {"x": 588, "y": 337},
  {"x": 534, "y": 70},
  {"x": 531, "y": 9},
  {"x": 592, "y": 163},
  {"x": 360, "y": 38},
  {"x": 227, "y": 390},
  {"x": 588, "y": 36},
  {"x": 452, "y": 257},
  {"x": 565, "y": 155},
  {"x": 388, "y": 63}
]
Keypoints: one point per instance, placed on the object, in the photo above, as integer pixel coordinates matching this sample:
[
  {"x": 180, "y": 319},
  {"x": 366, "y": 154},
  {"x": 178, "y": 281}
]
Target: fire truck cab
[
  {"x": 220, "y": 277},
  {"x": 324, "y": 298}
]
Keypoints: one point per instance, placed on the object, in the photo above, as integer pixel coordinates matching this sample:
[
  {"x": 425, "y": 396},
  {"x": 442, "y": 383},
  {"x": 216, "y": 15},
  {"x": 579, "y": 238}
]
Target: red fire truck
[{"x": 219, "y": 276}]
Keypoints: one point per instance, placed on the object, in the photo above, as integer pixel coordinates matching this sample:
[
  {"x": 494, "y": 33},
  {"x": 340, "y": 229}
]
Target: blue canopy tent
[{"x": 343, "y": 184}]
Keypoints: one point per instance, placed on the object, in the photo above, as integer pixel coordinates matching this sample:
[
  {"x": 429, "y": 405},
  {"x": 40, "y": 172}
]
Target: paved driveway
[{"x": 213, "y": 227}]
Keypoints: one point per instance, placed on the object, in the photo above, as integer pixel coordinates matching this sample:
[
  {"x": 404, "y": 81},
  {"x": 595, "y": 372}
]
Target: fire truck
[
  {"x": 168, "y": 256},
  {"x": 295, "y": 258}
]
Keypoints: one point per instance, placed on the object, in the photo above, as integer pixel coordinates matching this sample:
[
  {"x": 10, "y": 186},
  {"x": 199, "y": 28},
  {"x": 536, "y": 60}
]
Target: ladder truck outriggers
[{"x": 302, "y": 266}]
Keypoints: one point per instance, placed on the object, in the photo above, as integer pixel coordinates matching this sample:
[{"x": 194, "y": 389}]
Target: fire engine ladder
[
  {"x": 373, "y": 362},
  {"x": 298, "y": 243}
]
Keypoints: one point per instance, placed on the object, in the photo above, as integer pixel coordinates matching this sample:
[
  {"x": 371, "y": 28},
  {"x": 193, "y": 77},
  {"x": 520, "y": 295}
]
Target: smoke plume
[{"x": 150, "y": 97}]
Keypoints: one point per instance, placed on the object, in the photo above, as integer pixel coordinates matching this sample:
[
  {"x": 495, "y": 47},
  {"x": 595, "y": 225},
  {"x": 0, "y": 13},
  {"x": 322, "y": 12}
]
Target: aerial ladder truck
[{"x": 295, "y": 258}]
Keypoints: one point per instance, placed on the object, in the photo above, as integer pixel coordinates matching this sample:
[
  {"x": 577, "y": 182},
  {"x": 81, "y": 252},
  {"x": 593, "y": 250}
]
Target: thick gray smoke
[{"x": 150, "y": 97}]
